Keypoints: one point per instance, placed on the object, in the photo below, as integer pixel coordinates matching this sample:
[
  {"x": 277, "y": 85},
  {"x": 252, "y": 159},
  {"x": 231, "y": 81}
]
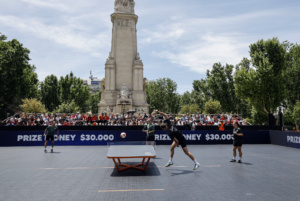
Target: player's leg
[
  {"x": 186, "y": 151},
  {"x": 234, "y": 153},
  {"x": 240, "y": 153},
  {"x": 189, "y": 154},
  {"x": 173, "y": 145},
  {"x": 45, "y": 145},
  {"x": 52, "y": 139}
]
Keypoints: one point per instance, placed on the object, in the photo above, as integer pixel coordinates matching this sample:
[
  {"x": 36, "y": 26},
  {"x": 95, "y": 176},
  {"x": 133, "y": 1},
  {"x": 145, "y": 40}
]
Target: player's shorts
[
  {"x": 237, "y": 143},
  {"x": 182, "y": 142},
  {"x": 50, "y": 137},
  {"x": 150, "y": 138}
]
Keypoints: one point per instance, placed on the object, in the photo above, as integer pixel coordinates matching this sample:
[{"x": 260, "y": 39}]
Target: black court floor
[{"x": 71, "y": 173}]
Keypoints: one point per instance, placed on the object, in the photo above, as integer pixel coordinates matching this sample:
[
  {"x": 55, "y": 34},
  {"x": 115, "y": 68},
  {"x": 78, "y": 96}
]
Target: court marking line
[
  {"x": 88, "y": 168},
  {"x": 129, "y": 190}
]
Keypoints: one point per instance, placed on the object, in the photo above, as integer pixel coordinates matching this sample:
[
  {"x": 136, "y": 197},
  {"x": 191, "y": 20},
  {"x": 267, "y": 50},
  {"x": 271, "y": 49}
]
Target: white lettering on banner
[
  {"x": 293, "y": 139},
  {"x": 218, "y": 137},
  {"x": 65, "y": 138},
  {"x": 100, "y": 137},
  {"x": 164, "y": 137},
  {"x": 29, "y": 138},
  {"x": 192, "y": 137}
]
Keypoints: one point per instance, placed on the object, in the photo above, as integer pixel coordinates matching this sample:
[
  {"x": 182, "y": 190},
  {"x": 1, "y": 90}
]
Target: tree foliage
[
  {"x": 72, "y": 88},
  {"x": 50, "y": 92},
  {"x": 32, "y": 105},
  {"x": 263, "y": 85},
  {"x": 18, "y": 79},
  {"x": 68, "y": 108},
  {"x": 191, "y": 109},
  {"x": 212, "y": 107},
  {"x": 221, "y": 85},
  {"x": 296, "y": 114},
  {"x": 161, "y": 94},
  {"x": 94, "y": 101},
  {"x": 293, "y": 74}
]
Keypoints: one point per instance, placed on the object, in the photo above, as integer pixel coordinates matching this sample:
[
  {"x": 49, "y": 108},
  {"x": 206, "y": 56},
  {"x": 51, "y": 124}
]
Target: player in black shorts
[
  {"x": 178, "y": 139},
  {"x": 237, "y": 142},
  {"x": 50, "y": 134}
]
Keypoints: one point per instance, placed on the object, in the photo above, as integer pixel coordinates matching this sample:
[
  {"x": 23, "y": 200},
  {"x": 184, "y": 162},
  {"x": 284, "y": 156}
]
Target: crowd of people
[{"x": 77, "y": 119}]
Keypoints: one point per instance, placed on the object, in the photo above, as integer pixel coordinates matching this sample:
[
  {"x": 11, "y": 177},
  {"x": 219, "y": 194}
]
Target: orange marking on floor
[
  {"x": 88, "y": 168},
  {"x": 129, "y": 190}
]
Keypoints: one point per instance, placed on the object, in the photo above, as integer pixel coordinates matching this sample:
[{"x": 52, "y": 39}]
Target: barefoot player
[
  {"x": 178, "y": 139},
  {"x": 50, "y": 134}
]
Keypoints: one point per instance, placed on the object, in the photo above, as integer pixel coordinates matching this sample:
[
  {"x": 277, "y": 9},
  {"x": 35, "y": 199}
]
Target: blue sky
[{"x": 177, "y": 39}]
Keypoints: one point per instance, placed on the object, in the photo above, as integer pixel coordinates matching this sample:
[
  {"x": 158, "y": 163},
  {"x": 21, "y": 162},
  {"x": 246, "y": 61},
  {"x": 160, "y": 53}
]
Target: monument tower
[{"x": 123, "y": 87}]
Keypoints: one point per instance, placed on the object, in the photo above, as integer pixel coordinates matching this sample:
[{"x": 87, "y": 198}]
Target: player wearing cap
[
  {"x": 237, "y": 142},
  {"x": 50, "y": 134},
  {"x": 178, "y": 139}
]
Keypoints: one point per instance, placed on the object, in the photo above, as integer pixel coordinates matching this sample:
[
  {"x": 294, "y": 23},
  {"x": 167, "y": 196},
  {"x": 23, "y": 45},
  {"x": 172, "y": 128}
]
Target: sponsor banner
[
  {"x": 288, "y": 139},
  {"x": 36, "y": 138}
]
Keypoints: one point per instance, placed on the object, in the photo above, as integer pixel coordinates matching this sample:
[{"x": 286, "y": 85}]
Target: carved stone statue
[
  {"x": 108, "y": 110},
  {"x": 124, "y": 6},
  {"x": 102, "y": 84},
  {"x": 124, "y": 92}
]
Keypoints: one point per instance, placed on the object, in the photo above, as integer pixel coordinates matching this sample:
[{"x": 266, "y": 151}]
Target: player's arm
[
  {"x": 163, "y": 114},
  {"x": 57, "y": 132},
  {"x": 240, "y": 134},
  {"x": 45, "y": 131}
]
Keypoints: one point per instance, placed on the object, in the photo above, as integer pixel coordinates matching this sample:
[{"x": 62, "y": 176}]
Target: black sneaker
[
  {"x": 232, "y": 160},
  {"x": 51, "y": 150},
  {"x": 240, "y": 161},
  {"x": 45, "y": 150}
]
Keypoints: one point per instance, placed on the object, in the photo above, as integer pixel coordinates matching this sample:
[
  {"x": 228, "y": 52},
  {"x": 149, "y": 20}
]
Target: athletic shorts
[
  {"x": 150, "y": 138},
  {"x": 182, "y": 142},
  {"x": 50, "y": 137},
  {"x": 237, "y": 143}
]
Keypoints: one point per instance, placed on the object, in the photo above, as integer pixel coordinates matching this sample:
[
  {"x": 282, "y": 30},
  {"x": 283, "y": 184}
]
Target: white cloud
[
  {"x": 209, "y": 49},
  {"x": 66, "y": 35},
  {"x": 57, "y": 5}
]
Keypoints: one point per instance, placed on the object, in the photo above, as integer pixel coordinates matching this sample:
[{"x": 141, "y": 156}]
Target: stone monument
[{"x": 123, "y": 87}]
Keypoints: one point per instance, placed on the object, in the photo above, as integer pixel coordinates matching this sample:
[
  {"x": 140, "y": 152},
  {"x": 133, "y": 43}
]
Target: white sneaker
[
  {"x": 169, "y": 164},
  {"x": 196, "y": 166}
]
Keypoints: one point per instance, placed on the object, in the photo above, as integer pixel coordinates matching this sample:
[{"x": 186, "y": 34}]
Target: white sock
[
  {"x": 240, "y": 158},
  {"x": 170, "y": 160},
  {"x": 234, "y": 158},
  {"x": 195, "y": 161}
]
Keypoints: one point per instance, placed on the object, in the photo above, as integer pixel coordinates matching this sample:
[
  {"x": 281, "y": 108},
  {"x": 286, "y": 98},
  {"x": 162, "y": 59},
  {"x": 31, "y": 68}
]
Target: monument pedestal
[{"x": 124, "y": 85}]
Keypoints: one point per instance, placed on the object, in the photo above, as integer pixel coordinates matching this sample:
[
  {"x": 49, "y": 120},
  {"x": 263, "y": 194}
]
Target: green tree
[
  {"x": 212, "y": 107},
  {"x": 263, "y": 85},
  {"x": 191, "y": 109},
  {"x": 202, "y": 89},
  {"x": 32, "y": 106},
  {"x": 94, "y": 101},
  {"x": 18, "y": 79},
  {"x": 68, "y": 108},
  {"x": 72, "y": 88},
  {"x": 49, "y": 93},
  {"x": 220, "y": 83},
  {"x": 161, "y": 94},
  {"x": 186, "y": 98},
  {"x": 293, "y": 74},
  {"x": 296, "y": 115}
]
